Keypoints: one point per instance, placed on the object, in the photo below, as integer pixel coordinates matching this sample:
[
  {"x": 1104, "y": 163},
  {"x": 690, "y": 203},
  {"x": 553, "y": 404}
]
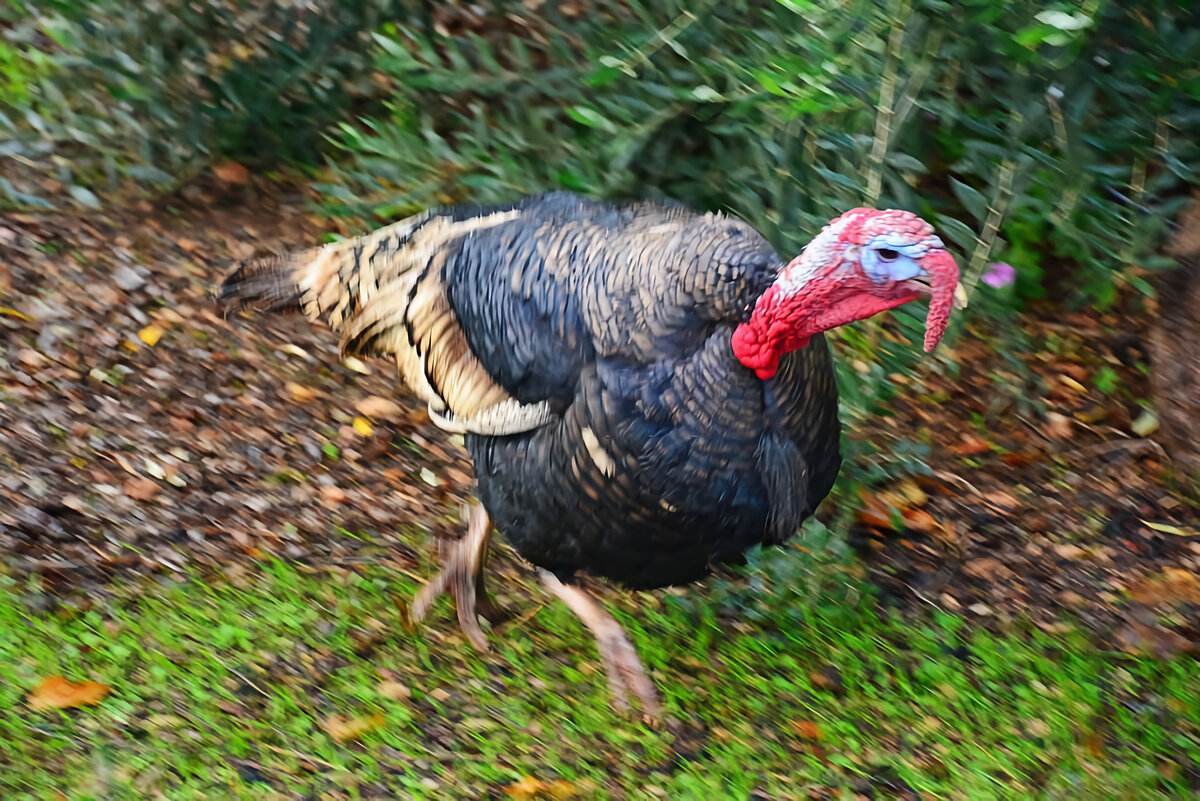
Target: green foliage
[
  {"x": 95, "y": 93},
  {"x": 1038, "y": 132}
]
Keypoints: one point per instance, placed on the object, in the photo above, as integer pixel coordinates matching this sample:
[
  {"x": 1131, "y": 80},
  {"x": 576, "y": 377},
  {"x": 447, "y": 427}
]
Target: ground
[{"x": 222, "y": 526}]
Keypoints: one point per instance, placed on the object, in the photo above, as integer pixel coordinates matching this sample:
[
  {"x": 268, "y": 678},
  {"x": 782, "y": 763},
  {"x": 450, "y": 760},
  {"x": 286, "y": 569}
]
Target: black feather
[{"x": 667, "y": 456}]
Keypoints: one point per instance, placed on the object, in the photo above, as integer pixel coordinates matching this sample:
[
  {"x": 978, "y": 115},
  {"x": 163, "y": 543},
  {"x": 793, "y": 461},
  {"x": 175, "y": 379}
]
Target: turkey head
[{"x": 864, "y": 262}]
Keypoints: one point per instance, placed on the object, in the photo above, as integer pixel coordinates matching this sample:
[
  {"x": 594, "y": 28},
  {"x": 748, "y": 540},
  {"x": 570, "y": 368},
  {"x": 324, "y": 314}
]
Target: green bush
[
  {"x": 99, "y": 93},
  {"x": 1040, "y": 133}
]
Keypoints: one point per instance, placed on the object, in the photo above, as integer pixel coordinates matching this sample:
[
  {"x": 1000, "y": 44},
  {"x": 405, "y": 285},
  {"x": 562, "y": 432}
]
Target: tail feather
[
  {"x": 266, "y": 284},
  {"x": 328, "y": 284}
]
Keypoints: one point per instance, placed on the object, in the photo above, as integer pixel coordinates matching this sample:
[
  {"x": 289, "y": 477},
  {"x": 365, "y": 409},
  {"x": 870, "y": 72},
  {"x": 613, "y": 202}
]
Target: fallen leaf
[
  {"x": 141, "y": 489},
  {"x": 1071, "y": 383},
  {"x": 356, "y": 365},
  {"x": 526, "y": 789},
  {"x": 230, "y": 172},
  {"x": 332, "y": 494},
  {"x": 378, "y": 407},
  {"x": 971, "y": 445},
  {"x": 1068, "y": 550},
  {"x": 1058, "y": 426},
  {"x": 362, "y": 427},
  {"x": 1145, "y": 424},
  {"x": 9, "y": 311},
  {"x": 343, "y": 729},
  {"x": 295, "y": 350},
  {"x": 55, "y": 692},
  {"x": 30, "y": 358},
  {"x": 394, "y": 690},
  {"x": 807, "y": 729},
  {"x": 1173, "y": 585},
  {"x": 1165, "y": 528},
  {"x": 874, "y": 512},
  {"x": 918, "y": 520},
  {"x": 877, "y": 511},
  {"x": 530, "y": 788},
  {"x": 912, "y": 494},
  {"x": 151, "y": 334},
  {"x": 300, "y": 392}
]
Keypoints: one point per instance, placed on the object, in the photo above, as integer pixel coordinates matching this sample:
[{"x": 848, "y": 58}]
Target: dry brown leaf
[
  {"x": 971, "y": 445},
  {"x": 807, "y": 730},
  {"x": 874, "y": 512},
  {"x": 300, "y": 392},
  {"x": 378, "y": 407},
  {"x": 394, "y": 690},
  {"x": 55, "y": 692},
  {"x": 526, "y": 789},
  {"x": 877, "y": 511},
  {"x": 529, "y": 788},
  {"x": 230, "y": 172},
  {"x": 141, "y": 489},
  {"x": 919, "y": 520},
  {"x": 30, "y": 358},
  {"x": 1173, "y": 585},
  {"x": 1058, "y": 426},
  {"x": 332, "y": 495},
  {"x": 344, "y": 730}
]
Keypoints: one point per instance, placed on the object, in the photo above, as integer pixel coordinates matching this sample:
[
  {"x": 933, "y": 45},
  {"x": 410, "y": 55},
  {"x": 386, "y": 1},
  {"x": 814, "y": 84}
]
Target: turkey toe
[{"x": 462, "y": 578}]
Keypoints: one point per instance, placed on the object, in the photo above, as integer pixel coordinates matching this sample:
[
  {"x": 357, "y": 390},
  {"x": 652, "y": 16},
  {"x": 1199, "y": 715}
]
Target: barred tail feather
[
  {"x": 267, "y": 284},
  {"x": 384, "y": 294},
  {"x": 328, "y": 284}
]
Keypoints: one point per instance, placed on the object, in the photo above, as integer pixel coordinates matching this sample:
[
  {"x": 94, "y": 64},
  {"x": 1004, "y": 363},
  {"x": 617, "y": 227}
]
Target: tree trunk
[{"x": 1175, "y": 347}]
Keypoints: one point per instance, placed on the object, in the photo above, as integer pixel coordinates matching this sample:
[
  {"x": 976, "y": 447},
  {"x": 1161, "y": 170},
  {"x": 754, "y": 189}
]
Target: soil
[{"x": 141, "y": 433}]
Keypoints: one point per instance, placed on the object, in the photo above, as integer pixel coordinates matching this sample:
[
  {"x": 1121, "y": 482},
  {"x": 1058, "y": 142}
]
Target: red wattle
[{"x": 754, "y": 352}]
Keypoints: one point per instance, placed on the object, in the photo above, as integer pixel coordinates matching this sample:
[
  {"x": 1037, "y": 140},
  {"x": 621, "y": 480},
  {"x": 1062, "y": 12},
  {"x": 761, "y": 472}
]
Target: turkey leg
[
  {"x": 625, "y": 671},
  {"x": 462, "y": 578}
]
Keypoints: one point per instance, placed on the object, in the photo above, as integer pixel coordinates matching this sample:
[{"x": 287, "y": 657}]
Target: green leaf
[
  {"x": 84, "y": 196},
  {"x": 903, "y": 161},
  {"x": 590, "y": 117},
  {"x": 971, "y": 200},
  {"x": 958, "y": 232}
]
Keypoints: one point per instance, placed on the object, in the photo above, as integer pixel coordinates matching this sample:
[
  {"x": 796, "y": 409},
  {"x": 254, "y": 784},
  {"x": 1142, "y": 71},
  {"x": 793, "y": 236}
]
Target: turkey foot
[
  {"x": 462, "y": 578},
  {"x": 625, "y": 671}
]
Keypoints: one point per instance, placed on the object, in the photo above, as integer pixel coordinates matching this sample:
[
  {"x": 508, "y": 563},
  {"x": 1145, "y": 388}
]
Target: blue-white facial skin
[{"x": 888, "y": 258}]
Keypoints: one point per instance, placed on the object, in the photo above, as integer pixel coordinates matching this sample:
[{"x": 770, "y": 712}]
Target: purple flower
[{"x": 999, "y": 275}]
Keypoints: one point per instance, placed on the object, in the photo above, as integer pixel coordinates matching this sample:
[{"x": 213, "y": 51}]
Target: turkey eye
[{"x": 887, "y": 254}]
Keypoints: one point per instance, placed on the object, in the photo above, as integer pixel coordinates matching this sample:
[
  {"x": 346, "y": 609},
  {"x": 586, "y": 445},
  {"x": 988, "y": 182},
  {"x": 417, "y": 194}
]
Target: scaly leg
[
  {"x": 625, "y": 671},
  {"x": 462, "y": 578}
]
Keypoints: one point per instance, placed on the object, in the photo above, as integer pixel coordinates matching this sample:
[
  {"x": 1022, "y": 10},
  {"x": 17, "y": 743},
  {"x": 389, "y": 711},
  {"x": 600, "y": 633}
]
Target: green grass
[{"x": 219, "y": 692}]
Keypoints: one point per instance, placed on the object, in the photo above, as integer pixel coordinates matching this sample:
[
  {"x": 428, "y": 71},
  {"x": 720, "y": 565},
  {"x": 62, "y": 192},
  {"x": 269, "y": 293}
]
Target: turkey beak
[{"x": 945, "y": 294}]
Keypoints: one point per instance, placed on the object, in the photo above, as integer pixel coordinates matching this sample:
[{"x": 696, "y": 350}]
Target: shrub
[
  {"x": 1052, "y": 136},
  {"x": 95, "y": 93}
]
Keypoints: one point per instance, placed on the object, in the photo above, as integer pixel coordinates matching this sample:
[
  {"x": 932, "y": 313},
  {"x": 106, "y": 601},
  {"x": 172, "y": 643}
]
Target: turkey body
[{"x": 584, "y": 350}]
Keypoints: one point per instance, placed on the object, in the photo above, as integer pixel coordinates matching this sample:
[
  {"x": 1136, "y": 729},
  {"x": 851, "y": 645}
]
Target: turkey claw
[{"x": 462, "y": 578}]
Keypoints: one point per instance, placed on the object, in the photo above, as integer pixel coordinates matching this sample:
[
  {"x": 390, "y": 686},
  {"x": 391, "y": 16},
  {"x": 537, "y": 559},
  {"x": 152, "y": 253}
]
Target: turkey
[{"x": 645, "y": 390}]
